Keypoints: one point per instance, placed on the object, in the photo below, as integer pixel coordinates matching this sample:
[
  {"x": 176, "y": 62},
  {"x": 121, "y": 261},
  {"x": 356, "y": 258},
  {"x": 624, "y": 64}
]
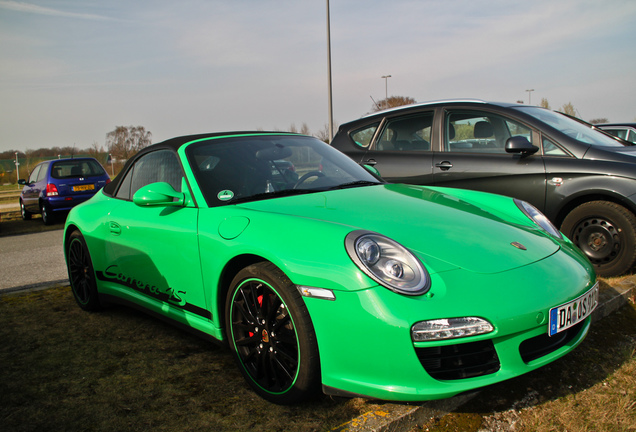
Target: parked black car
[
  {"x": 627, "y": 131},
  {"x": 581, "y": 179}
]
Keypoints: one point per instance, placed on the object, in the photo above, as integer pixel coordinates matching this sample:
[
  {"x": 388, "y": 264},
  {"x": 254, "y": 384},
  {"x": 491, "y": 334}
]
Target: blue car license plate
[{"x": 570, "y": 314}]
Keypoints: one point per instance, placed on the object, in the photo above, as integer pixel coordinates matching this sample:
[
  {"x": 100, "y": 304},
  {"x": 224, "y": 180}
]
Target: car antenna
[{"x": 376, "y": 104}]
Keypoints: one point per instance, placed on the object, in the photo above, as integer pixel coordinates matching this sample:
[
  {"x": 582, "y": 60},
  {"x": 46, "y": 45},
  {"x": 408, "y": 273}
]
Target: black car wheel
[
  {"x": 47, "y": 214},
  {"x": 606, "y": 233},
  {"x": 271, "y": 335},
  {"x": 81, "y": 273},
  {"x": 23, "y": 211}
]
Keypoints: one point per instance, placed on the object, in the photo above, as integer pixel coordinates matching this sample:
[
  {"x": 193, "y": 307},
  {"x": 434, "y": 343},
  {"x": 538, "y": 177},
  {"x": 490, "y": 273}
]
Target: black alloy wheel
[
  {"x": 81, "y": 273},
  {"x": 271, "y": 335},
  {"x": 23, "y": 212},
  {"x": 47, "y": 214},
  {"x": 606, "y": 233}
]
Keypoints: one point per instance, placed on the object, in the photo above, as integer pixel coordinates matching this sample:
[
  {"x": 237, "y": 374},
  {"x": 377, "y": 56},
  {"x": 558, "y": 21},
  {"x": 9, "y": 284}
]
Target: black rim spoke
[
  {"x": 79, "y": 271},
  {"x": 264, "y": 336}
]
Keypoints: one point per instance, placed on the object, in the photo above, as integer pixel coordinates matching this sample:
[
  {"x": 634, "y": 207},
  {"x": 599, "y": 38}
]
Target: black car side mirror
[
  {"x": 520, "y": 144},
  {"x": 22, "y": 182}
]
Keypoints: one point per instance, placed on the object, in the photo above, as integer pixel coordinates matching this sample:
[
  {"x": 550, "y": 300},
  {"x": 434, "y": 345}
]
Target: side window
[
  {"x": 158, "y": 166},
  {"x": 632, "y": 136},
  {"x": 34, "y": 174},
  {"x": 407, "y": 134},
  {"x": 480, "y": 132},
  {"x": 43, "y": 170},
  {"x": 362, "y": 137},
  {"x": 551, "y": 149}
]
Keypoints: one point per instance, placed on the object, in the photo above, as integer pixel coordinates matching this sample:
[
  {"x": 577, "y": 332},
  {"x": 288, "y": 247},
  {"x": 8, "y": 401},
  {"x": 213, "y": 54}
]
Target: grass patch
[
  {"x": 121, "y": 370},
  {"x": 65, "y": 369}
]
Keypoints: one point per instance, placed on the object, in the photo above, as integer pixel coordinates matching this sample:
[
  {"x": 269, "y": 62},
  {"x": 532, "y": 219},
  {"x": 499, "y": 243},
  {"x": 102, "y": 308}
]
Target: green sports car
[{"x": 318, "y": 275}]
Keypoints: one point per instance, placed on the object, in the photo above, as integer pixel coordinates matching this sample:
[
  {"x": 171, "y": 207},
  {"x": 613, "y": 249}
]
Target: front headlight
[
  {"x": 387, "y": 262},
  {"x": 539, "y": 218}
]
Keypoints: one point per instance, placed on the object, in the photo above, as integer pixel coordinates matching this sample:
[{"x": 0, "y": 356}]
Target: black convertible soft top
[{"x": 174, "y": 144}]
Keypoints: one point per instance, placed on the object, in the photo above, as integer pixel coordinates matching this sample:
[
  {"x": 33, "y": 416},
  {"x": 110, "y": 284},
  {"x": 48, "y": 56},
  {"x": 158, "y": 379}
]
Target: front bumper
[{"x": 365, "y": 345}]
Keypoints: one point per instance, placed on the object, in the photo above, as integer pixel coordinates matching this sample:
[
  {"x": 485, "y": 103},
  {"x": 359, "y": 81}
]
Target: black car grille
[
  {"x": 466, "y": 360},
  {"x": 541, "y": 345}
]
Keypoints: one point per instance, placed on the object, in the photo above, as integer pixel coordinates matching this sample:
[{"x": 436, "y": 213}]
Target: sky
[{"x": 73, "y": 70}]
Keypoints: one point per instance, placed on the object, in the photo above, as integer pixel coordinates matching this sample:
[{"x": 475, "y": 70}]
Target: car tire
[
  {"x": 26, "y": 215},
  {"x": 47, "y": 215},
  {"x": 81, "y": 273},
  {"x": 271, "y": 335},
  {"x": 606, "y": 233}
]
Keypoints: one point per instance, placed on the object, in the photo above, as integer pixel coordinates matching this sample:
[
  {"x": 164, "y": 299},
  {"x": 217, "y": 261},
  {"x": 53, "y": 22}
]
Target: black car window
[
  {"x": 158, "y": 166},
  {"x": 44, "y": 168},
  {"x": 481, "y": 132},
  {"x": 407, "y": 134},
  {"x": 362, "y": 137},
  {"x": 34, "y": 174},
  {"x": 551, "y": 149},
  {"x": 76, "y": 168}
]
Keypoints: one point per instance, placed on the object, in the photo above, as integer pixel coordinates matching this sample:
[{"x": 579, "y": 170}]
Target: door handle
[
  {"x": 370, "y": 162},
  {"x": 114, "y": 228},
  {"x": 444, "y": 165}
]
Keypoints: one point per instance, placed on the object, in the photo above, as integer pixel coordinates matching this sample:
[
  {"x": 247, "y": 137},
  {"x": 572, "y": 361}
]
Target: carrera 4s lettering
[{"x": 167, "y": 294}]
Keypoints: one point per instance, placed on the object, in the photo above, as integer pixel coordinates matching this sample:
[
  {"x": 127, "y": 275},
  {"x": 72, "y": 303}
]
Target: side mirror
[
  {"x": 520, "y": 144},
  {"x": 22, "y": 182},
  {"x": 159, "y": 194},
  {"x": 373, "y": 170}
]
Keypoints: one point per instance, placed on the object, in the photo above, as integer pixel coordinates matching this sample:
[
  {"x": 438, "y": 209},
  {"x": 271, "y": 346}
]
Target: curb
[
  {"x": 400, "y": 417},
  {"x": 34, "y": 287}
]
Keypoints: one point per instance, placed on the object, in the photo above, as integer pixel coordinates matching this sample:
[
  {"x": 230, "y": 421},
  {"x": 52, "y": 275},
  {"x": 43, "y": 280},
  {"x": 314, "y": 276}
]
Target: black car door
[
  {"x": 402, "y": 150},
  {"x": 473, "y": 157}
]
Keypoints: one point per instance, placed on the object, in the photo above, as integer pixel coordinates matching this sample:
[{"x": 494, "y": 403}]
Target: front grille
[
  {"x": 541, "y": 345},
  {"x": 466, "y": 360}
]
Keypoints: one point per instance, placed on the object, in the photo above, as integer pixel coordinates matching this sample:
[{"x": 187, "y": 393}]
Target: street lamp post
[
  {"x": 17, "y": 167},
  {"x": 530, "y": 96},
  {"x": 329, "y": 76},
  {"x": 386, "y": 90},
  {"x": 112, "y": 168}
]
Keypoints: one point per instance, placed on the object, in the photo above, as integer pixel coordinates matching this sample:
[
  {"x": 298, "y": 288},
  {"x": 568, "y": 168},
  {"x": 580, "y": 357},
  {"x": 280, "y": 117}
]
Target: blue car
[{"x": 54, "y": 187}]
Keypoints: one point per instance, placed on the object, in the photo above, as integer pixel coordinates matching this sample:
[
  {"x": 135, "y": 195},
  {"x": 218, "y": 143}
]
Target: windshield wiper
[
  {"x": 275, "y": 194},
  {"x": 355, "y": 184}
]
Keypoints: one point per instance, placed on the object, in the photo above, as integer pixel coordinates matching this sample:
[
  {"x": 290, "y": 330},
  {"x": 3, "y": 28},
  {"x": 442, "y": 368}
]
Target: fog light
[{"x": 449, "y": 328}]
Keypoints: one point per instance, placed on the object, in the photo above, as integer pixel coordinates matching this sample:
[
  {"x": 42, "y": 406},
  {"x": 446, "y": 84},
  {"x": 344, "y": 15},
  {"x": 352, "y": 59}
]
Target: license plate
[
  {"x": 569, "y": 314},
  {"x": 83, "y": 188}
]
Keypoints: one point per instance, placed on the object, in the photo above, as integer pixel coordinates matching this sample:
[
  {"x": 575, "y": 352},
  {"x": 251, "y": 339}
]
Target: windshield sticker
[{"x": 225, "y": 195}]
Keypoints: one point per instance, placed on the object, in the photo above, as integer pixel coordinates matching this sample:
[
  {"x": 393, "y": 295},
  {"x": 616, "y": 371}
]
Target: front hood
[{"x": 475, "y": 232}]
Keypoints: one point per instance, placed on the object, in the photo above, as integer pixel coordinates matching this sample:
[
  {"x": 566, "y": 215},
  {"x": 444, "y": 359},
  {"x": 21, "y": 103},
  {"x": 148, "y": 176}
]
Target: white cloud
[{"x": 41, "y": 10}]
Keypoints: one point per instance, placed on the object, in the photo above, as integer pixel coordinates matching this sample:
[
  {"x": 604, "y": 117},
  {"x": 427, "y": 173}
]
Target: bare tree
[
  {"x": 599, "y": 120},
  {"x": 392, "y": 102},
  {"x": 124, "y": 142},
  {"x": 544, "y": 103},
  {"x": 323, "y": 134},
  {"x": 568, "y": 109}
]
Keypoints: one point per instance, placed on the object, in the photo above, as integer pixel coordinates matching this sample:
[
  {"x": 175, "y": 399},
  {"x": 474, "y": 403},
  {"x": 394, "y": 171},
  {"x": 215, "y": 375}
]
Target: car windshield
[
  {"x": 248, "y": 168},
  {"x": 571, "y": 128},
  {"x": 76, "y": 168}
]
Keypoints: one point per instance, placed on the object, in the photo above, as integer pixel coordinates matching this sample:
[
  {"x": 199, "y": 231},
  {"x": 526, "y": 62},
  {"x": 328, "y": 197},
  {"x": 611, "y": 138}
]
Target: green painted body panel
[
  {"x": 176, "y": 262},
  {"x": 376, "y": 351}
]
